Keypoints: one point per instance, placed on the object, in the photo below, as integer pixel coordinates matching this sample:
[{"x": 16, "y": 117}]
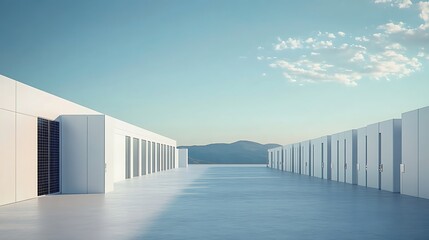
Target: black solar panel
[
  {"x": 42, "y": 157},
  {"x": 48, "y": 157}
]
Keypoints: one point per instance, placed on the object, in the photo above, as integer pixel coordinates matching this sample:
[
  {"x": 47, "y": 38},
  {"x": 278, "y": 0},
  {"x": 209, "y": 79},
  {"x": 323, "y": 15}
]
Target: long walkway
[{"x": 221, "y": 202}]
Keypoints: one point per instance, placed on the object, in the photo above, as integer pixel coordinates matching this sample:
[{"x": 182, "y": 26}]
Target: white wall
[
  {"x": 390, "y": 154},
  {"x": 122, "y": 129},
  {"x": 424, "y": 152},
  {"x": 351, "y": 156},
  {"x": 34, "y": 102},
  {"x": 183, "y": 158},
  {"x": 96, "y": 154},
  {"x": 286, "y": 158},
  {"x": 415, "y": 153},
  {"x": 283, "y": 153},
  {"x": 289, "y": 149},
  {"x": 379, "y": 144},
  {"x": 371, "y": 155},
  {"x": 7, "y": 141},
  {"x": 343, "y": 152},
  {"x": 74, "y": 154},
  {"x": 372, "y": 131},
  {"x": 26, "y": 157},
  {"x": 341, "y": 157},
  {"x": 326, "y": 140},
  {"x": 277, "y": 162},
  {"x": 305, "y": 158},
  {"x": 361, "y": 158},
  {"x": 7, "y": 157},
  {"x": 119, "y": 161},
  {"x": 335, "y": 143},
  {"x": 410, "y": 152},
  {"x": 320, "y": 157},
  {"x": 7, "y": 94},
  {"x": 20, "y": 105},
  {"x": 109, "y": 154},
  {"x": 316, "y": 155},
  {"x": 297, "y": 157},
  {"x": 84, "y": 149}
]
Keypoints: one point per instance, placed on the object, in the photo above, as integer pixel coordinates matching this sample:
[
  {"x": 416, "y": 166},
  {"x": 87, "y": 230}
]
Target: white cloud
[
  {"x": 294, "y": 43},
  {"x": 407, "y": 35},
  {"x": 348, "y": 63},
  {"x": 377, "y": 36},
  {"x": 260, "y": 48},
  {"x": 260, "y": 58},
  {"x": 382, "y": 1},
  {"x": 422, "y": 54},
  {"x": 391, "y": 28},
  {"x": 396, "y": 3},
  {"x": 290, "y": 43},
  {"x": 326, "y": 34},
  {"x": 281, "y": 45},
  {"x": 348, "y": 78},
  {"x": 358, "y": 57},
  {"x": 424, "y": 14},
  {"x": 309, "y": 40},
  {"x": 263, "y": 74},
  {"x": 392, "y": 64},
  {"x": 395, "y": 46},
  {"x": 362, "y": 39},
  {"x": 395, "y": 28},
  {"x": 404, "y": 3},
  {"x": 322, "y": 44},
  {"x": 393, "y": 51},
  {"x": 308, "y": 71},
  {"x": 344, "y": 46}
]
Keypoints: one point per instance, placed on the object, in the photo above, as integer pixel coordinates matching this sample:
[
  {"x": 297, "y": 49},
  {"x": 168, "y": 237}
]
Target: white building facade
[
  {"x": 50, "y": 145},
  {"x": 392, "y": 155}
]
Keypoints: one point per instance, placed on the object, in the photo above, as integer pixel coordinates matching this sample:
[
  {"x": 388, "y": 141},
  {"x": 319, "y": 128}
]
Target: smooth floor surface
[{"x": 221, "y": 202}]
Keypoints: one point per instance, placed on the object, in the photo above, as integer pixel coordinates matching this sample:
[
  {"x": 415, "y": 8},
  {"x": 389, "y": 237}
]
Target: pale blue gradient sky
[{"x": 218, "y": 71}]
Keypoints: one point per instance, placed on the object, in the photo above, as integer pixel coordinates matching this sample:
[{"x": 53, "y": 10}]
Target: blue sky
[{"x": 220, "y": 71}]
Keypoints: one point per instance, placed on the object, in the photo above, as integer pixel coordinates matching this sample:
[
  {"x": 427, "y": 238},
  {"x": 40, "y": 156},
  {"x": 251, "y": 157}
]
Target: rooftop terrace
[{"x": 221, "y": 202}]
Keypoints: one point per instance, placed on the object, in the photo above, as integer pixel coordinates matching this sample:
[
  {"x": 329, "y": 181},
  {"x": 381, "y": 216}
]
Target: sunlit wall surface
[{"x": 92, "y": 147}]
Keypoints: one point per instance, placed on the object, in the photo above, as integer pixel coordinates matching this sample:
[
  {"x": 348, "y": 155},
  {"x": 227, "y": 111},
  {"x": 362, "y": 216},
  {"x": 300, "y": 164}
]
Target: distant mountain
[{"x": 242, "y": 152}]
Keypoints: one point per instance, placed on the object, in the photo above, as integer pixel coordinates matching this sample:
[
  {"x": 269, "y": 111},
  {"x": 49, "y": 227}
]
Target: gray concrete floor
[{"x": 221, "y": 202}]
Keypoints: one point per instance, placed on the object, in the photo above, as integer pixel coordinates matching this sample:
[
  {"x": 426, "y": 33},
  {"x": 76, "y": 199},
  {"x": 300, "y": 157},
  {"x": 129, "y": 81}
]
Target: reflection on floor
[{"x": 221, "y": 202}]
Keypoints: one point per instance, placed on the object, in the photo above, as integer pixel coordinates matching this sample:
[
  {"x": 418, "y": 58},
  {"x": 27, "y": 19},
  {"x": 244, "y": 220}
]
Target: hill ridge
[{"x": 238, "y": 152}]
